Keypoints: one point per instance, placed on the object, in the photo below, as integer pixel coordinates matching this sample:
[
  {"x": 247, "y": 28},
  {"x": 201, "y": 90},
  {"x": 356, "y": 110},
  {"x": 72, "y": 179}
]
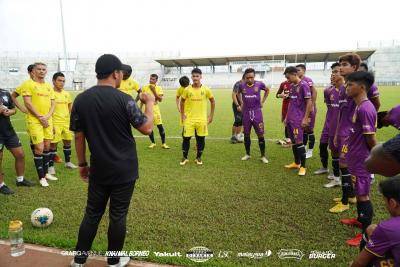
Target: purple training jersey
[
  {"x": 297, "y": 106},
  {"x": 308, "y": 80},
  {"x": 373, "y": 92},
  {"x": 363, "y": 122},
  {"x": 385, "y": 243},
  {"x": 394, "y": 117},
  {"x": 347, "y": 107},
  {"x": 333, "y": 110},
  {"x": 325, "y": 129},
  {"x": 251, "y": 95}
]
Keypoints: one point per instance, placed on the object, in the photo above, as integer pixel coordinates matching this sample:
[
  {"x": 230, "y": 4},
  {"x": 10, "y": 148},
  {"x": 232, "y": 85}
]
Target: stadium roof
[{"x": 290, "y": 58}]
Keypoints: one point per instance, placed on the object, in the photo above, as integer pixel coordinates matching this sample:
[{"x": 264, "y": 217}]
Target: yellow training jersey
[
  {"x": 23, "y": 85},
  {"x": 41, "y": 95},
  {"x": 196, "y": 101},
  {"x": 61, "y": 112},
  {"x": 159, "y": 90},
  {"x": 179, "y": 93},
  {"x": 129, "y": 86}
]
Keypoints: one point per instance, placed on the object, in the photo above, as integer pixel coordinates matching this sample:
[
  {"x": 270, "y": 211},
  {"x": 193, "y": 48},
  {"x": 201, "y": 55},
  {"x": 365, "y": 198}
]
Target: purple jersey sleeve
[
  {"x": 378, "y": 243},
  {"x": 305, "y": 90},
  {"x": 326, "y": 95},
  {"x": 236, "y": 87},
  {"x": 309, "y": 81},
  {"x": 262, "y": 86},
  {"x": 240, "y": 88},
  {"x": 368, "y": 119},
  {"x": 373, "y": 92},
  {"x": 394, "y": 117}
]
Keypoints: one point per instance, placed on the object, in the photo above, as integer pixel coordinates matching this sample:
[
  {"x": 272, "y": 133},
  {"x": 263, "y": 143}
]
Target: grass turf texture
[{"x": 225, "y": 205}]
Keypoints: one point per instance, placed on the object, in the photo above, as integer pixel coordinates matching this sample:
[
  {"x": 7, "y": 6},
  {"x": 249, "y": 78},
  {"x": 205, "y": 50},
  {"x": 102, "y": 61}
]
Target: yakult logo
[{"x": 327, "y": 255}]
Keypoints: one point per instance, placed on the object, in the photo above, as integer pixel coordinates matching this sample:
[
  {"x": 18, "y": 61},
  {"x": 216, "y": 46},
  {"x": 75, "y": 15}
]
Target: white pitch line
[
  {"x": 180, "y": 137},
  {"x": 208, "y": 138}
]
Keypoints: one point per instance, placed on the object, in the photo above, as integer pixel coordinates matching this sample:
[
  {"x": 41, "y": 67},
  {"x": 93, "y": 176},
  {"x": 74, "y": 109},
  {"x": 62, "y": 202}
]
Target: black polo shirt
[
  {"x": 105, "y": 115},
  {"x": 6, "y": 128}
]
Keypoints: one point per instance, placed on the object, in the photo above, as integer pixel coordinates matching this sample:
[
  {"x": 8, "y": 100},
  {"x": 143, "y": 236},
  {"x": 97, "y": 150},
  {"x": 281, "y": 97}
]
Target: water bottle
[{"x": 16, "y": 238}]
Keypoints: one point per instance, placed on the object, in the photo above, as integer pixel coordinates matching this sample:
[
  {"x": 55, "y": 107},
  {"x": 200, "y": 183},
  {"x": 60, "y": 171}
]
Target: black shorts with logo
[
  {"x": 9, "y": 141},
  {"x": 237, "y": 115}
]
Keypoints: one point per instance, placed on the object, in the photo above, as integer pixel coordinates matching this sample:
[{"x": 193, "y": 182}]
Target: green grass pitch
[{"x": 225, "y": 205}]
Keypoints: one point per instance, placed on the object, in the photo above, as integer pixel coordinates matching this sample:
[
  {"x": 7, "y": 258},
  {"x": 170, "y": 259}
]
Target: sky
[{"x": 196, "y": 28}]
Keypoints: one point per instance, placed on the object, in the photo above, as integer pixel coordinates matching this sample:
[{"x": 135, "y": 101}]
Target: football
[{"x": 42, "y": 217}]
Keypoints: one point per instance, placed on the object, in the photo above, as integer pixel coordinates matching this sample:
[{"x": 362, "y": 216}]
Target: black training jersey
[
  {"x": 6, "y": 128},
  {"x": 105, "y": 115}
]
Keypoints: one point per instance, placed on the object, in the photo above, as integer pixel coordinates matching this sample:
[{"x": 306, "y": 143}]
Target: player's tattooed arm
[{"x": 21, "y": 107}]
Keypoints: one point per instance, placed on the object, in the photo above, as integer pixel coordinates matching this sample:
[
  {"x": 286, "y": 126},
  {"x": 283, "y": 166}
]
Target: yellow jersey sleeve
[
  {"x": 26, "y": 89},
  {"x": 19, "y": 89},
  {"x": 184, "y": 94},
  {"x": 209, "y": 94},
  {"x": 145, "y": 88},
  {"x": 52, "y": 95},
  {"x": 159, "y": 90},
  {"x": 179, "y": 91},
  {"x": 69, "y": 99},
  {"x": 22, "y": 86}
]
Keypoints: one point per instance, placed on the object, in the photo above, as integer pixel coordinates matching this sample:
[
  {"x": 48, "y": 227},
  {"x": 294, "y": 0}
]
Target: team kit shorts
[
  {"x": 61, "y": 132},
  {"x": 295, "y": 132},
  {"x": 361, "y": 177},
  {"x": 253, "y": 118},
  {"x": 38, "y": 133},
  {"x": 9, "y": 141},
  {"x": 343, "y": 148},
  {"x": 191, "y": 127},
  {"x": 157, "y": 120}
]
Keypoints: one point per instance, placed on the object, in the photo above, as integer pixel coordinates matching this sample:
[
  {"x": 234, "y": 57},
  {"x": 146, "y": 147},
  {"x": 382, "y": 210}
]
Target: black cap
[
  {"x": 108, "y": 63},
  {"x": 126, "y": 68}
]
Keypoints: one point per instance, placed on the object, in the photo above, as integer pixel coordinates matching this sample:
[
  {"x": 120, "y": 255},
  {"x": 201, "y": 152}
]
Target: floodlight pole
[{"x": 63, "y": 36}]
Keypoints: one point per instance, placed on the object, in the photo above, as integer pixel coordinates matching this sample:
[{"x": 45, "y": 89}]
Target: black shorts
[
  {"x": 237, "y": 116},
  {"x": 10, "y": 141}
]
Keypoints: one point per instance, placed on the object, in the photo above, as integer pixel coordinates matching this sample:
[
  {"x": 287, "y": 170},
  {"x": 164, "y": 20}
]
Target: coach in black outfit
[{"x": 103, "y": 116}]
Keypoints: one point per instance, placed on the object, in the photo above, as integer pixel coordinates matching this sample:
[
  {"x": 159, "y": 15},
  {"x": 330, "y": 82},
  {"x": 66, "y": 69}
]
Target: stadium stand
[{"x": 219, "y": 72}]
